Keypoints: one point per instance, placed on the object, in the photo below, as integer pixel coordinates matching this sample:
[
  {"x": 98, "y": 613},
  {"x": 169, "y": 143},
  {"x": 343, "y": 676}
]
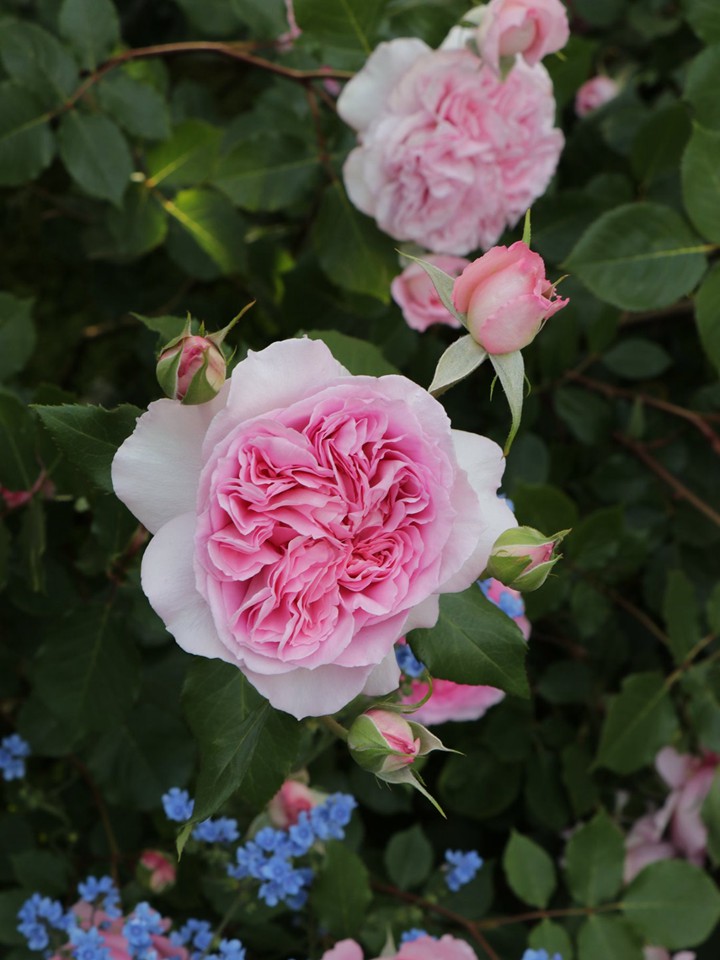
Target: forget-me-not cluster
[
  {"x": 13, "y": 753},
  {"x": 463, "y": 867}
]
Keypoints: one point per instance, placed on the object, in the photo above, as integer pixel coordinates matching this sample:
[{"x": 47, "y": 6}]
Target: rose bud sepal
[{"x": 522, "y": 557}]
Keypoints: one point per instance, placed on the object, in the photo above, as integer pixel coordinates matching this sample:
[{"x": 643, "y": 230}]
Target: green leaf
[
  {"x": 551, "y": 937},
  {"x": 704, "y": 17},
  {"x": 19, "y": 467},
  {"x": 682, "y": 617},
  {"x": 603, "y": 937},
  {"x": 244, "y": 744},
  {"x": 340, "y": 893},
  {"x": 207, "y": 236},
  {"x": 41, "y": 870},
  {"x": 701, "y": 83},
  {"x": 477, "y": 785},
  {"x": 640, "y": 720},
  {"x": 594, "y": 859},
  {"x": 637, "y": 359},
  {"x": 140, "y": 225},
  {"x": 473, "y": 642},
  {"x": 140, "y": 759},
  {"x": 707, "y": 315},
  {"x": 530, "y": 871},
  {"x": 91, "y": 27},
  {"x": 640, "y": 256},
  {"x": 352, "y": 251},
  {"x": 595, "y": 541},
  {"x": 168, "y": 327},
  {"x": 544, "y": 507},
  {"x": 17, "y": 334},
  {"x": 213, "y": 17},
  {"x": 268, "y": 173},
  {"x": 87, "y": 671},
  {"x": 89, "y": 436},
  {"x": 349, "y": 25},
  {"x": 660, "y": 142},
  {"x": 361, "y": 358},
  {"x": 442, "y": 282},
  {"x": 96, "y": 155},
  {"x": 588, "y": 416},
  {"x": 137, "y": 107},
  {"x": 461, "y": 358},
  {"x": 37, "y": 61},
  {"x": 701, "y": 181},
  {"x": 27, "y": 145},
  {"x": 187, "y": 159},
  {"x": 672, "y": 904},
  {"x": 408, "y": 858},
  {"x": 510, "y": 370}
]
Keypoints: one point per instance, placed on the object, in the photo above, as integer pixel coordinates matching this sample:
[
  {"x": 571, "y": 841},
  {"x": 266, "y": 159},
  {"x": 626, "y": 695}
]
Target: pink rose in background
[
  {"x": 424, "y": 948},
  {"x": 660, "y": 953},
  {"x": 506, "y": 297},
  {"x": 448, "y": 155},
  {"x": 415, "y": 293},
  {"x": 462, "y": 701},
  {"x": 162, "y": 870},
  {"x": 595, "y": 93},
  {"x": 290, "y": 801},
  {"x": 401, "y": 742},
  {"x": 677, "y": 829},
  {"x": 533, "y": 28},
  {"x": 305, "y": 519},
  {"x": 113, "y": 940}
]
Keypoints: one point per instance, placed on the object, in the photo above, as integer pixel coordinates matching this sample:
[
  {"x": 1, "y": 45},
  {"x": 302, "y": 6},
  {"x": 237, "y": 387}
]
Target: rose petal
[{"x": 311, "y": 693}]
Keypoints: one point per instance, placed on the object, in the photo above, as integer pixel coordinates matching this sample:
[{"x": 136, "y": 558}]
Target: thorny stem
[
  {"x": 235, "y": 51},
  {"x": 680, "y": 489},
  {"x": 698, "y": 420}
]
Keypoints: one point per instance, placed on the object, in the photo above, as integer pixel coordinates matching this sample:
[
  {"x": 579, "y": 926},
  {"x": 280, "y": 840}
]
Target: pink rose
[
  {"x": 290, "y": 801},
  {"x": 506, "y": 297},
  {"x": 533, "y": 28},
  {"x": 401, "y": 743},
  {"x": 424, "y": 948},
  {"x": 448, "y": 155},
  {"x": 415, "y": 293},
  {"x": 114, "y": 941},
  {"x": 595, "y": 93},
  {"x": 162, "y": 871},
  {"x": 644, "y": 844},
  {"x": 305, "y": 519},
  {"x": 690, "y": 779},
  {"x": 660, "y": 953}
]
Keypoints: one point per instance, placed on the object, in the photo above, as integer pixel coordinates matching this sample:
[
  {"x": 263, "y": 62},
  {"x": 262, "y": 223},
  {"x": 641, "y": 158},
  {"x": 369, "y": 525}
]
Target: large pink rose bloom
[
  {"x": 449, "y": 156},
  {"x": 305, "y": 519},
  {"x": 415, "y": 293},
  {"x": 533, "y": 28}
]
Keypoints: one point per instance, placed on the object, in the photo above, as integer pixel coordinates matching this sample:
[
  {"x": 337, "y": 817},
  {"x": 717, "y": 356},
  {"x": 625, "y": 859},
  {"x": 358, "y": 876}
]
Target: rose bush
[
  {"x": 448, "y": 155},
  {"x": 306, "y": 519}
]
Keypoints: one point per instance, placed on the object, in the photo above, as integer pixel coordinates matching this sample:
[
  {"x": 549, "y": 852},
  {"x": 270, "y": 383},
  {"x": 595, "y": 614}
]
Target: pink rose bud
[
  {"x": 159, "y": 870},
  {"x": 506, "y": 298},
  {"x": 533, "y": 28},
  {"x": 290, "y": 801},
  {"x": 595, "y": 93},
  {"x": 415, "y": 293},
  {"x": 191, "y": 368},
  {"x": 383, "y": 742},
  {"x": 522, "y": 557}
]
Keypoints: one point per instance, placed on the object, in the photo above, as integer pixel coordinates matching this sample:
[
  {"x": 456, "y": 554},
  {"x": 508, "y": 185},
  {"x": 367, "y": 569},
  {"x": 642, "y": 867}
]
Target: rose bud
[
  {"x": 191, "y": 368},
  {"x": 290, "y": 801},
  {"x": 506, "y": 298},
  {"x": 595, "y": 93},
  {"x": 387, "y": 745},
  {"x": 157, "y": 870},
  {"x": 533, "y": 28},
  {"x": 522, "y": 557}
]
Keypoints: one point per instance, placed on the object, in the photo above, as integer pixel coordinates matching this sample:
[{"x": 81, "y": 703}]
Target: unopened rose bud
[
  {"x": 595, "y": 93},
  {"x": 290, "y": 801},
  {"x": 506, "y": 298},
  {"x": 191, "y": 368},
  {"x": 522, "y": 557},
  {"x": 157, "y": 870}
]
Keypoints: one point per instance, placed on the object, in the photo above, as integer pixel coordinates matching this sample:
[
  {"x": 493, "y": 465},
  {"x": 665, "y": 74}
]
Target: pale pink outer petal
[
  {"x": 512, "y": 326},
  {"x": 483, "y": 462},
  {"x": 357, "y": 172},
  {"x": 639, "y": 857},
  {"x": 369, "y": 89},
  {"x": 344, "y": 950},
  {"x": 311, "y": 693},
  {"x": 168, "y": 580},
  {"x": 283, "y": 373},
  {"x": 425, "y": 614},
  {"x": 155, "y": 472},
  {"x": 446, "y": 948},
  {"x": 675, "y": 768},
  {"x": 384, "y": 678},
  {"x": 688, "y": 831},
  {"x": 477, "y": 272}
]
